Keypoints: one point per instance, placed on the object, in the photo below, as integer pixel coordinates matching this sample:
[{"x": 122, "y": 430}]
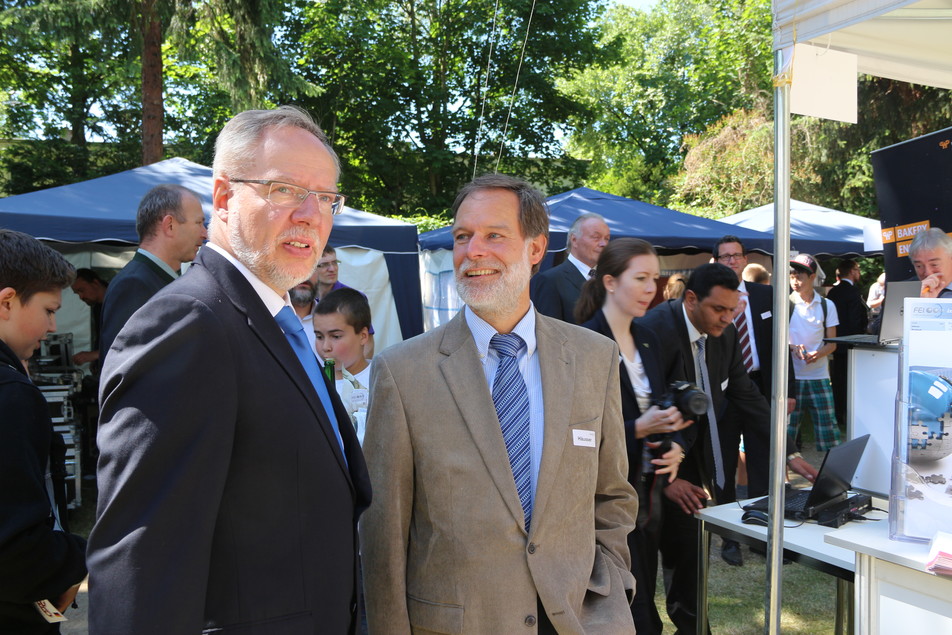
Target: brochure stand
[{"x": 920, "y": 501}]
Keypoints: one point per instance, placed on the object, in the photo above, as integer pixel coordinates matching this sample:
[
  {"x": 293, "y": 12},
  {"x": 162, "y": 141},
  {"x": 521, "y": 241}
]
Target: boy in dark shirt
[{"x": 39, "y": 559}]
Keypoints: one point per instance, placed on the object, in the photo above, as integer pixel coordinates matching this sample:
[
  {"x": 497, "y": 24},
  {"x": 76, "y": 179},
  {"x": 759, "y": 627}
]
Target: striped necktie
[
  {"x": 743, "y": 336},
  {"x": 511, "y": 399}
]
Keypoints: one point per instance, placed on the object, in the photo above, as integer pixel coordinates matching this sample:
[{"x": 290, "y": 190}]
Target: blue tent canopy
[
  {"x": 104, "y": 210},
  {"x": 669, "y": 231},
  {"x": 814, "y": 229}
]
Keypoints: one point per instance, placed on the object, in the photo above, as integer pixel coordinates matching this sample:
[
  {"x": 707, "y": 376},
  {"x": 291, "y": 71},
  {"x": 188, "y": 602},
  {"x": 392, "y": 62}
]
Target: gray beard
[
  {"x": 302, "y": 298},
  {"x": 503, "y": 298},
  {"x": 258, "y": 263}
]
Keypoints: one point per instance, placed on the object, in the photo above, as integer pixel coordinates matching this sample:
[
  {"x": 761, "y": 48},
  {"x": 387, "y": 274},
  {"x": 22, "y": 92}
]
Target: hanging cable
[
  {"x": 484, "y": 88},
  {"x": 515, "y": 85}
]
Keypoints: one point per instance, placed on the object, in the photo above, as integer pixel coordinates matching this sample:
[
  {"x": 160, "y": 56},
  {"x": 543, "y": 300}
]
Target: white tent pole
[{"x": 781, "y": 311}]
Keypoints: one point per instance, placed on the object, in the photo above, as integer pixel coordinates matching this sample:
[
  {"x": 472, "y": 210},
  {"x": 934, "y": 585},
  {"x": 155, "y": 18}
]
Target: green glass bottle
[{"x": 329, "y": 369}]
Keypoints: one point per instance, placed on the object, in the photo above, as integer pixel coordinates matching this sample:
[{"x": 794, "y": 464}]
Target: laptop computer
[
  {"x": 890, "y": 331},
  {"x": 831, "y": 485}
]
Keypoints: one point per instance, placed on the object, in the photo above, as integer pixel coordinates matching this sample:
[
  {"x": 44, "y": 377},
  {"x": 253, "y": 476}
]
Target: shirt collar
[
  {"x": 483, "y": 332},
  {"x": 272, "y": 300},
  {"x": 164, "y": 266},
  {"x": 693, "y": 334},
  {"x": 798, "y": 299},
  {"x": 581, "y": 266}
]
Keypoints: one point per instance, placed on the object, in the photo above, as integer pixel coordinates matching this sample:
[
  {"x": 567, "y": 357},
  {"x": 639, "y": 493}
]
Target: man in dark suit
[
  {"x": 854, "y": 317},
  {"x": 754, "y": 315},
  {"x": 555, "y": 292},
  {"x": 230, "y": 482},
  {"x": 706, "y": 313},
  {"x": 171, "y": 227}
]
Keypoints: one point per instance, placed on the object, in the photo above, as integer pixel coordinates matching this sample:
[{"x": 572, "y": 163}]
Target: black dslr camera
[{"x": 689, "y": 399}]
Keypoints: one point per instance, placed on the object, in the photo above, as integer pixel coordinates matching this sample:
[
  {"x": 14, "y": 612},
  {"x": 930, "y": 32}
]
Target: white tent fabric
[
  {"x": 899, "y": 39},
  {"x": 364, "y": 269},
  {"x": 903, "y": 40}
]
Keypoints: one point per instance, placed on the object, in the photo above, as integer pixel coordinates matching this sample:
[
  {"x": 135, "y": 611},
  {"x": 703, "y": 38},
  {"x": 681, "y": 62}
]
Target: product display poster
[{"x": 921, "y": 500}]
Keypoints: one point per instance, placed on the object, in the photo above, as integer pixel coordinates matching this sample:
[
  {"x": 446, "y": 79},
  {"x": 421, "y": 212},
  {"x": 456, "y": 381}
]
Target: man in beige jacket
[{"x": 497, "y": 453}]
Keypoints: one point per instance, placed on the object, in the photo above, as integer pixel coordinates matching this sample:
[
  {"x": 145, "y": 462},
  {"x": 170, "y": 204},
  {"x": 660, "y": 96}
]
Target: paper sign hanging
[{"x": 824, "y": 83}]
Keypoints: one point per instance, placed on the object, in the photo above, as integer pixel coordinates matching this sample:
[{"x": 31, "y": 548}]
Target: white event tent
[{"x": 904, "y": 40}]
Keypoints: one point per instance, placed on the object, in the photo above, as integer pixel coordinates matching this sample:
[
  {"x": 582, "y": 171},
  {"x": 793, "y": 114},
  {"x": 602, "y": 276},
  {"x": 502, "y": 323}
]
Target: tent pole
[{"x": 781, "y": 311}]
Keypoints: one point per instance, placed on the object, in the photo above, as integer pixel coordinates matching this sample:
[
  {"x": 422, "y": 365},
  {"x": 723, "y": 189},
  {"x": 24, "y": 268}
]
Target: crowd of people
[{"x": 525, "y": 466}]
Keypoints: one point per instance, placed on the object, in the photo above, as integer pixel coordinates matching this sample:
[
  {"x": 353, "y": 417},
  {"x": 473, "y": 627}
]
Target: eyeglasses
[
  {"x": 291, "y": 196},
  {"x": 729, "y": 257},
  {"x": 329, "y": 263}
]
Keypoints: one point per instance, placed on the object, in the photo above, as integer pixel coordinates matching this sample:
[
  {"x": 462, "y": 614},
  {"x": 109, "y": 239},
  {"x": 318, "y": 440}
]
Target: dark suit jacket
[
  {"x": 36, "y": 562},
  {"x": 760, "y": 297},
  {"x": 132, "y": 287},
  {"x": 555, "y": 292},
  {"x": 850, "y": 308},
  {"x": 649, "y": 347},
  {"x": 729, "y": 384},
  {"x": 224, "y": 500}
]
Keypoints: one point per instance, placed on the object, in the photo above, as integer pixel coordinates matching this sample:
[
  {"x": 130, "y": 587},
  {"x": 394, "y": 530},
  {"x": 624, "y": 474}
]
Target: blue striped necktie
[
  {"x": 293, "y": 329},
  {"x": 511, "y": 399}
]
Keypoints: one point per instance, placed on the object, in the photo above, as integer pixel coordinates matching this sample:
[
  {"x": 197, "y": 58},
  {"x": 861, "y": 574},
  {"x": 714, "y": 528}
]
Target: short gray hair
[
  {"x": 933, "y": 238},
  {"x": 238, "y": 141},
  {"x": 576, "y": 228},
  {"x": 157, "y": 202}
]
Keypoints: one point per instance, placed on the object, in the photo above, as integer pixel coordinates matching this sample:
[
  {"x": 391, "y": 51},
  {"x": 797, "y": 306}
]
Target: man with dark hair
[
  {"x": 555, "y": 292},
  {"x": 171, "y": 227},
  {"x": 230, "y": 478},
  {"x": 854, "y": 317},
  {"x": 753, "y": 320},
  {"x": 497, "y": 448},
  {"x": 91, "y": 289},
  {"x": 701, "y": 326}
]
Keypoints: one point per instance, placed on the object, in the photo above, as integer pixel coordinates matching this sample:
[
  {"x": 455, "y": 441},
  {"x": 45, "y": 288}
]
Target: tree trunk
[{"x": 152, "y": 105}]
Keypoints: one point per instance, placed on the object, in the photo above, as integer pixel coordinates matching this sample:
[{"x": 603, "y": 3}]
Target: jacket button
[
  {"x": 532, "y": 547},
  {"x": 530, "y": 620}
]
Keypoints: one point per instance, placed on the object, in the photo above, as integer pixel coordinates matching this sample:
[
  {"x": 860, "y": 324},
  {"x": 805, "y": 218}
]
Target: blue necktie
[
  {"x": 711, "y": 421},
  {"x": 294, "y": 331},
  {"x": 511, "y": 399}
]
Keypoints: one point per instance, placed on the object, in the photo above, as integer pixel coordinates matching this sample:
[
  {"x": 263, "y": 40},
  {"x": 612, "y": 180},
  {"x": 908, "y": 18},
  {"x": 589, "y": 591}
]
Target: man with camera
[{"x": 710, "y": 356}]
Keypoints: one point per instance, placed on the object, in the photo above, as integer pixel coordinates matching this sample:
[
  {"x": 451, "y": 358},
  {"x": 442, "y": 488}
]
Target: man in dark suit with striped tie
[{"x": 753, "y": 320}]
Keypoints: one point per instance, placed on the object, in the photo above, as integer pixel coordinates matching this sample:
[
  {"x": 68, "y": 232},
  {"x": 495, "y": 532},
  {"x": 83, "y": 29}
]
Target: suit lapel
[
  {"x": 557, "y": 363},
  {"x": 574, "y": 276},
  {"x": 263, "y": 325},
  {"x": 466, "y": 381},
  {"x": 687, "y": 353}
]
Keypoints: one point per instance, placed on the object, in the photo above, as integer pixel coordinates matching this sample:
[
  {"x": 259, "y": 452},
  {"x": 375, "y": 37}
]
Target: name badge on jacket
[{"x": 584, "y": 438}]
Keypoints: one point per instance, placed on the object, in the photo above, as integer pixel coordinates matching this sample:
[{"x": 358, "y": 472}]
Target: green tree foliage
[
  {"x": 64, "y": 74},
  {"x": 729, "y": 168},
  {"x": 101, "y": 70},
  {"x": 408, "y": 104},
  {"x": 684, "y": 64}
]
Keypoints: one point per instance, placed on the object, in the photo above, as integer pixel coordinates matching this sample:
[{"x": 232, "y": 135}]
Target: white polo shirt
[{"x": 807, "y": 328}]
